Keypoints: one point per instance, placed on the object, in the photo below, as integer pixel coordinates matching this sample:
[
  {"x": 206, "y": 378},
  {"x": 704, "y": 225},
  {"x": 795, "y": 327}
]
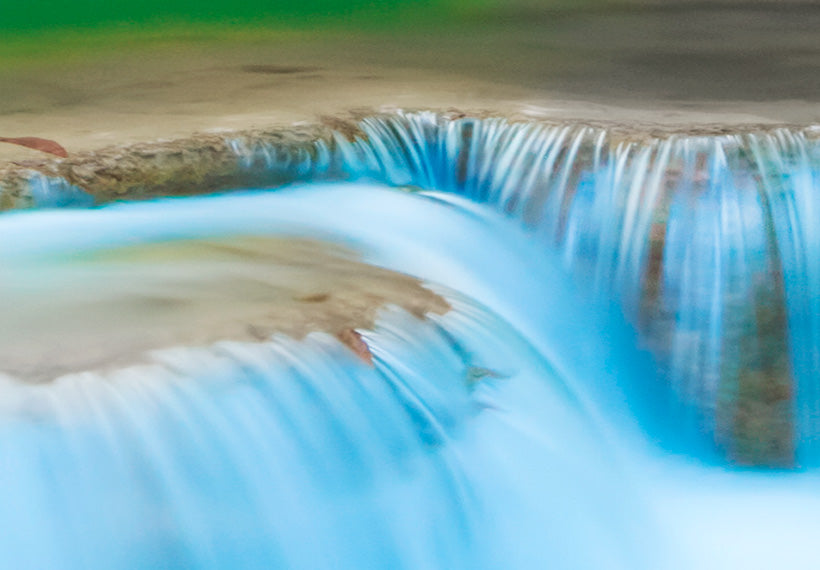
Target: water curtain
[
  {"x": 709, "y": 246},
  {"x": 710, "y": 243}
]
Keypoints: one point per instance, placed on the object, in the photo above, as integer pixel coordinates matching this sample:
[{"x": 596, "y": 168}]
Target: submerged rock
[{"x": 193, "y": 292}]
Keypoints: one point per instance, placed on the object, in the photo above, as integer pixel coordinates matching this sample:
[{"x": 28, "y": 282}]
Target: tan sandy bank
[{"x": 109, "y": 308}]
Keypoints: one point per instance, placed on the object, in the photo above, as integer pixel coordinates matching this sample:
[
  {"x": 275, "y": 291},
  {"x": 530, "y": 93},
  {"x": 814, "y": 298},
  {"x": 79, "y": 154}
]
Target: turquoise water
[
  {"x": 618, "y": 308},
  {"x": 296, "y": 455},
  {"x": 706, "y": 244}
]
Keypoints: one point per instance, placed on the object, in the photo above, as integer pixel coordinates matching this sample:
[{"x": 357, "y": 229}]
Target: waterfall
[
  {"x": 468, "y": 445},
  {"x": 272, "y": 455},
  {"x": 708, "y": 242},
  {"x": 629, "y": 319}
]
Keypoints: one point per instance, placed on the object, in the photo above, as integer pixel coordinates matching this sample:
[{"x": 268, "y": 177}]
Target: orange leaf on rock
[
  {"x": 354, "y": 341},
  {"x": 37, "y": 143}
]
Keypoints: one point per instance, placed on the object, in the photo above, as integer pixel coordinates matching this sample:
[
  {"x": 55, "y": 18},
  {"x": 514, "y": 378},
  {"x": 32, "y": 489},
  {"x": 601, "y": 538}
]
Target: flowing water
[
  {"x": 620, "y": 310},
  {"x": 708, "y": 245}
]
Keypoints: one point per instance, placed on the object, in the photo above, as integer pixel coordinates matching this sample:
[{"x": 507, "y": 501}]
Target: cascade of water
[
  {"x": 294, "y": 455},
  {"x": 789, "y": 177},
  {"x": 708, "y": 244},
  {"x": 449, "y": 453},
  {"x": 706, "y": 241},
  {"x": 46, "y": 192},
  {"x": 283, "y": 454},
  {"x": 482, "y": 438},
  {"x": 284, "y": 163}
]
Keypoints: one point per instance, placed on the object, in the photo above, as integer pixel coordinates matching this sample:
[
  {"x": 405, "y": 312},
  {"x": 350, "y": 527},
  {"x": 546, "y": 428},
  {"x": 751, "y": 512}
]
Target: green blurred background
[
  {"x": 33, "y": 15},
  {"x": 58, "y": 30}
]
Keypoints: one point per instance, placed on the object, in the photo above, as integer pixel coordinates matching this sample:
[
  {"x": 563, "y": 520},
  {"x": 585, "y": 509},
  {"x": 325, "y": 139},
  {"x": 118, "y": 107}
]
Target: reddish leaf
[
  {"x": 36, "y": 143},
  {"x": 354, "y": 341}
]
